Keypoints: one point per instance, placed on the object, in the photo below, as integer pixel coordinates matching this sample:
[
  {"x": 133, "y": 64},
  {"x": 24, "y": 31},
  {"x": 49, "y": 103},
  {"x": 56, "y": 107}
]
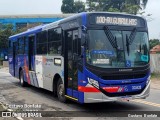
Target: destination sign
[{"x": 117, "y": 20}]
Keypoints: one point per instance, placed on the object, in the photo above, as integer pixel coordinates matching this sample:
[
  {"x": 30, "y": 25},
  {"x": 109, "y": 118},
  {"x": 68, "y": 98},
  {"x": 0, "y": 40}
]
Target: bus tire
[
  {"x": 60, "y": 91},
  {"x": 21, "y": 79}
]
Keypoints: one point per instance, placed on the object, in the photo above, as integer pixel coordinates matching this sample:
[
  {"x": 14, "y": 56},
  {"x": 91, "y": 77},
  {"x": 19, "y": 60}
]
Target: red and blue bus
[{"x": 88, "y": 57}]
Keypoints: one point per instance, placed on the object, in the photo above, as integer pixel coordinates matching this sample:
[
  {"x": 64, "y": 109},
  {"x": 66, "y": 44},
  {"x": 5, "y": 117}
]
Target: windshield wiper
[
  {"x": 130, "y": 39},
  {"x": 132, "y": 35},
  {"x": 127, "y": 44},
  {"x": 111, "y": 38},
  {"x": 113, "y": 41}
]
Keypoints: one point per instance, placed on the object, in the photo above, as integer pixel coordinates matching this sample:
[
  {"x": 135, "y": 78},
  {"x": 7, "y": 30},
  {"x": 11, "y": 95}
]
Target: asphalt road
[{"x": 12, "y": 94}]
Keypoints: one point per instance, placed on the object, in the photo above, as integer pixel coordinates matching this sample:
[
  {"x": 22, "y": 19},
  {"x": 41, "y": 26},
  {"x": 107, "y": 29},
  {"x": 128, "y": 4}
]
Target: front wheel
[
  {"x": 21, "y": 79},
  {"x": 61, "y": 91}
]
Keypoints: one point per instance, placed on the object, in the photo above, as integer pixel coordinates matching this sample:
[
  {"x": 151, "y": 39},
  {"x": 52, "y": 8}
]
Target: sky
[
  {"x": 153, "y": 8},
  {"x": 15, "y": 7}
]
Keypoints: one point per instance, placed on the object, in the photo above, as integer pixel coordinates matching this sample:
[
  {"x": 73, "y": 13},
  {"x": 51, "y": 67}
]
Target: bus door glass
[
  {"x": 31, "y": 53},
  {"x": 72, "y": 45}
]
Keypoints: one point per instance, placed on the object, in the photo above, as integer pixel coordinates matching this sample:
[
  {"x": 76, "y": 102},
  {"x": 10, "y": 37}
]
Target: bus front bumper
[{"x": 100, "y": 97}]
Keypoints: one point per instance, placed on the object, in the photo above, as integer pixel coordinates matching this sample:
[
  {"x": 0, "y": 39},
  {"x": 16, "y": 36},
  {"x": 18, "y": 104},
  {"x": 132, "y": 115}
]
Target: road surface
[{"x": 12, "y": 94}]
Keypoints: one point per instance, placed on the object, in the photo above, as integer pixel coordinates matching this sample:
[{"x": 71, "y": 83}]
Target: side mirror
[
  {"x": 83, "y": 40},
  {"x": 82, "y": 52},
  {"x": 84, "y": 29},
  {"x": 83, "y": 35}
]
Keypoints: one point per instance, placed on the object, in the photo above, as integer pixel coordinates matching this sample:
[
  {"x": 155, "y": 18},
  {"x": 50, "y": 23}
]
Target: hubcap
[{"x": 60, "y": 90}]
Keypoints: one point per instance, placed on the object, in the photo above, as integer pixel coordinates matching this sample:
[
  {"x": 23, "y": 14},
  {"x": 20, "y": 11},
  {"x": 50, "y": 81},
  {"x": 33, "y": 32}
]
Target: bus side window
[
  {"x": 25, "y": 45},
  {"x": 54, "y": 41},
  {"x": 41, "y": 46},
  {"x": 16, "y": 47},
  {"x": 21, "y": 45}
]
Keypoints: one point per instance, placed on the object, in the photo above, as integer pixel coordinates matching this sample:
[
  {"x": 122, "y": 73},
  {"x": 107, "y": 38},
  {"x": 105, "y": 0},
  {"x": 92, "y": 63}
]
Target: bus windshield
[{"x": 117, "y": 48}]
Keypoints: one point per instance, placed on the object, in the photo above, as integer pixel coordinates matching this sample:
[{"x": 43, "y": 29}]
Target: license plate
[{"x": 125, "y": 98}]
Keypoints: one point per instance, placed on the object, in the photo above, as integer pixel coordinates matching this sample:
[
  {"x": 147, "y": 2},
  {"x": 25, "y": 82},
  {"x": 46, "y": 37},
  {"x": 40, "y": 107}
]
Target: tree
[
  {"x": 67, "y": 6},
  {"x": 31, "y": 25},
  {"x": 153, "y": 42},
  {"x": 5, "y": 32},
  {"x": 71, "y": 6},
  {"x": 97, "y": 5},
  {"x": 79, "y": 6},
  {"x": 128, "y": 6}
]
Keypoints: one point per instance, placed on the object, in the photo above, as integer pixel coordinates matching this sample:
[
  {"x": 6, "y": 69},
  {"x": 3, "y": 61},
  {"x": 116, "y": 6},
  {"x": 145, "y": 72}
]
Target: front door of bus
[
  {"x": 31, "y": 53},
  {"x": 72, "y": 55}
]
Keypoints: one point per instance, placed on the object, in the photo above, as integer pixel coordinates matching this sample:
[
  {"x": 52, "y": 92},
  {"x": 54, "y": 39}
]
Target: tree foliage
[
  {"x": 67, "y": 6},
  {"x": 154, "y": 42},
  {"x": 71, "y": 6},
  {"x": 128, "y": 6},
  {"x": 79, "y": 6},
  {"x": 22, "y": 29},
  {"x": 5, "y": 32}
]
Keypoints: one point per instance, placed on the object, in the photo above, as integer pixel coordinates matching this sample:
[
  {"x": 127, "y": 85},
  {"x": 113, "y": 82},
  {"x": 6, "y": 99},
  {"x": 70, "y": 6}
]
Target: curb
[{"x": 10, "y": 110}]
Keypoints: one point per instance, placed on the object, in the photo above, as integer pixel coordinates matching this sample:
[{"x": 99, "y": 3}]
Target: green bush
[
  {"x": 155, "y": 75},
  {"x": 1, "y": 61}
]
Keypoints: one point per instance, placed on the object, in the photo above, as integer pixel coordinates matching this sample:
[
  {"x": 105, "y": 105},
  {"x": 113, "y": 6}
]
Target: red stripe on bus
[
  {"x": 27, "y": 71},
  {"x": 111, "y": 89},
  {"x": 87, "y": 89},
  {"x": 93, "y": 89}
]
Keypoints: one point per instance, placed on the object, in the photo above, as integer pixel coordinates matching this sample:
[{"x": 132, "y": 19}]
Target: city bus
[{"x": 88, "y": 57}]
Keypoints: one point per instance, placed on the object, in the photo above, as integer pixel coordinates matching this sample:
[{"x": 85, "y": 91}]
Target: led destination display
[{"x": 117, "y": 20}]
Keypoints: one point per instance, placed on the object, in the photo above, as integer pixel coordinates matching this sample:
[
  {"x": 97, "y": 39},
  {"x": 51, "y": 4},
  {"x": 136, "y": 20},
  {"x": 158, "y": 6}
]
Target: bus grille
[{"x": 123, "y": 77}]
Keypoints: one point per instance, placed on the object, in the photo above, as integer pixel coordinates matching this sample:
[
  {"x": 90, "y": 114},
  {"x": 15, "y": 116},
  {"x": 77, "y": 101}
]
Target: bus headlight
[
  {"x": 93, "y": 82},
  {"x": 148, "y": 79}
]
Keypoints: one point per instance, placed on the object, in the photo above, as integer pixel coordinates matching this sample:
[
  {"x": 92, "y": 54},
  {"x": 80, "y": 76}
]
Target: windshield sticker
[
  {"x": 128, "y": 63},
  {"x": 144, "y": 58},
  {"x": 101, "y": 61},
  {"x": 107, "y": 52}
]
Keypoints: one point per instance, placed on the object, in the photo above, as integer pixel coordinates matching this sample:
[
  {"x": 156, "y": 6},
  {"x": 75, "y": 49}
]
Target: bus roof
[
  {"x": 54, "y": 24},
  {"x": 29, "y": 31},
  {"x": 40, "y": 27}
]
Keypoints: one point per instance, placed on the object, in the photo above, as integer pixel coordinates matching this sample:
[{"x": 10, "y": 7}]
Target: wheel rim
[{"x": 60, "y": 90}]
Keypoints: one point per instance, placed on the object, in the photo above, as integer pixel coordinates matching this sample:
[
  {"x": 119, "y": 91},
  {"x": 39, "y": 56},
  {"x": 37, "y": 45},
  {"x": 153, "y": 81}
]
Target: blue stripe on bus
[
  {"x": 75, "y": 94},
  {"x": 81, "y": 97},
  {"x": 82, "y": 80},
  {"x": 72, "y": 93},
  {"x": 84, "y": 19},
  {"x": 69, "y": 92}
]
